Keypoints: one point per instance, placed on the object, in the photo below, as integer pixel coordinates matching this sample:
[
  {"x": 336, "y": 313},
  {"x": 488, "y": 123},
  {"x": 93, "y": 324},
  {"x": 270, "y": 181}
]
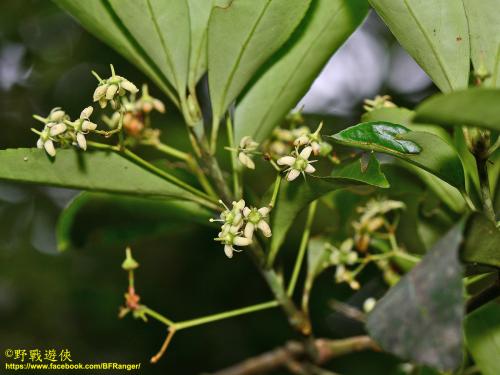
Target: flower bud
[
  {"x": 88, "y": 126},
  {"x": 82, "y": 142},
  {"x": 129, "y": 263},
  {"x": 86, "y": 112}
]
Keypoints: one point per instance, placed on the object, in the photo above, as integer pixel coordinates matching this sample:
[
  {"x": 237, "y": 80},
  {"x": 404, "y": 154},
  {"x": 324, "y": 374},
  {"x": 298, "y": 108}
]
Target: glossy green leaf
[
  {"x": 294, "y": 196},
  {"x": 287, "y": 77},
  {"x": 435, "y": 34},
  {"x": 99, "y": 18},
  {"x": 475, "y": 107},
  {"x": 105, "y": 219},
  {"x": 482, "y": 243},
  {"x": 482, "y": 335},
  {"x": 420, "y": 318},
  {"x": 162, "y": 29},
  {"x": 378, "y": 136},
  {"x": 422, "y": 149},
  {"x": 484, "y": 34},
  {"x": 403, "y": 116},
  {"x": 89, "y": 170},
  {"x": 241, "y": 37}
]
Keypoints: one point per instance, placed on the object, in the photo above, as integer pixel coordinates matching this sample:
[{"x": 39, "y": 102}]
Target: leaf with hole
[{"x": 420, "y": 319}]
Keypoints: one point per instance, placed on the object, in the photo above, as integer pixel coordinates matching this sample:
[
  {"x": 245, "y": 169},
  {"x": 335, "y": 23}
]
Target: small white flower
[
  {"x": 311, "y": 139},
  {"x": 230, "y": 237},
  {"x": 81, "y": 141},
  {"x": 56, "y": 115},
  {"x": 246, "y": 160},
  {"x": 56, "y": 129},
  {"x": 256, "y": 219},
  {"x": 45, "y": 142},
  {"x": 86, "y": 113},
  {"x": 111, "y": 88},
  {"x": 299, "y": 164}
]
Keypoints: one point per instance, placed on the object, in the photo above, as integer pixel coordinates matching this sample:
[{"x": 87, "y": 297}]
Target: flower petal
[
  {"x": 129, "y": 86},
  {"x": 286, "y": 160},
  {"x": 310, "y": 169},
  {"x": 292, "y": 175},
  {"x": 228, "y": 250},
  {"x": 265, "y": 229},
  {"x": 39, "y": 143},
  {"x": 57, "y": 129},
  {"x": 246, "y": 211},
  {"x": 306, "y": 152},
  {"x": 264, "y": 211},
  {"x": 82, "y": 142},
  {"x": 99, "y": 92},
  {"x": 86, "y": 112},
  {"x": 249, "y": 228},
  {"x": 111, "y": 91},
  {"x": 242, "y": 241},
  {"x": 49, "y": 147}
]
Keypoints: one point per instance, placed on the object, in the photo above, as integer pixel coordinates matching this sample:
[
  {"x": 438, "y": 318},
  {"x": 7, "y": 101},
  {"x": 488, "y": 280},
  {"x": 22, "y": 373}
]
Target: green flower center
[
  {"x": 300, "y": 164},
  {"x": 254, "y": 217}
]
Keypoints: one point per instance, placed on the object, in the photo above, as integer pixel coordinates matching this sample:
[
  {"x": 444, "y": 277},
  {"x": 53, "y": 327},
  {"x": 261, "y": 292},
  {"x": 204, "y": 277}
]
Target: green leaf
[
  {"x": 378, "y": 136},
  {"x": 99, "y": 18},
  {"x": 294, "y": 196},
  {"x": 435, "y": 34},
  {"x": 161, "y": 27},
  {"x": 356, "y": 171},
  {"x": 105, "y": 219},
  {"x": 422, "y": 149},
  {"x": 475, "y": 107},
  {"x": 484, "y": 34},
  {"x": 482, "y": 335},
  {"x": 89, "y": 170},
  {"x": 482, "y": 242},
  {"x": 420, "y": 318},
  {"x": 241, "y": 37},
  {"x": 199, "y": 13},
  {"x": 287, "y": 77},
  {"x": 318, "y": 256}
]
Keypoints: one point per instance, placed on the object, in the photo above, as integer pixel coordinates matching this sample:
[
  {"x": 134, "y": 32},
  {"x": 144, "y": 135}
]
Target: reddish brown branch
[{"x": 294, "y": 351}]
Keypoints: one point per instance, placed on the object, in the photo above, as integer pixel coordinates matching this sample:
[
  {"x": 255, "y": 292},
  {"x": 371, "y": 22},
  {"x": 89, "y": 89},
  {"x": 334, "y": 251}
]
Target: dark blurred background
[{"x": 71, "y": 299}]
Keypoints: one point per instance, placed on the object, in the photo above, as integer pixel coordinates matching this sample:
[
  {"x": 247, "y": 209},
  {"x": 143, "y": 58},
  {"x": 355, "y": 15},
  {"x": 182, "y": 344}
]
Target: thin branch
[
  {"x": 157, "y": 356},
  {"x": 294, "y": 351}
]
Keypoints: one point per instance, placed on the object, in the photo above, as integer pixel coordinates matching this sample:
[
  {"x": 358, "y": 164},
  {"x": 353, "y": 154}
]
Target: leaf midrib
[
  {"x": 294, "y": 71},
  {"x": 240, "y": 56}
]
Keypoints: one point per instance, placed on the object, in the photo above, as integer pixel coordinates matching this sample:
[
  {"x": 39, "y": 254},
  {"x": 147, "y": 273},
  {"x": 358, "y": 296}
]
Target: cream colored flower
[
  {"x": 256, "y": 218},
  {"x": 230, "y": 237},
  {"x": 298, "y": 164}
]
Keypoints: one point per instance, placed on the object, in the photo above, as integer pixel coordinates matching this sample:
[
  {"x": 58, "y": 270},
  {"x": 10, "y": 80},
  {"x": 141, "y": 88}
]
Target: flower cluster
[
  {"x": 60, "y": 129},
  {"x": 239, "y": 224},
  {"x": 380, "y": 101},
  {"x": 372, "y": 219},
  {"x": 111, "y": 89},
  {"x": 135, "y": 115},
  {"x": 298, "y": 163},
  {"x": 341, "y": 258}
]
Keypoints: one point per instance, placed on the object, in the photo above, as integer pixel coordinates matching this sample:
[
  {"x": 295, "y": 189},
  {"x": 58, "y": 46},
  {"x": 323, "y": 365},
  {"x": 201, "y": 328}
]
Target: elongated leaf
[
  {"x": 199, "y": 13},
  {"x": 422, "y": 149},
  {"x": 90, "y": 170},
  {"x": 421, "y": 317},
  {"x": 241, "y": 37},
  {"x": 475, "y": 107},
  {"x": 161, "y": 27},
  {"x": 120, "y": 219},
  {"x": 285, "y": 79},
  {"x": 98, "y": 17},
  {"x": 435, "y": 34},
  {"x": 482, "y": 334},
  {"x": 484, "y": 33},
  {"x": 482, "y": 244},
  {"x": 403, "y": 116},
  {"x": 294, "y": 196}
]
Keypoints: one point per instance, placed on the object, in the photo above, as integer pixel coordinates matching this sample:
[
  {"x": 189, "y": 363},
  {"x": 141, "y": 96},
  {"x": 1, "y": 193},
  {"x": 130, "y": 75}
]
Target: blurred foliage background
[{"x": 70, "y": 300}]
